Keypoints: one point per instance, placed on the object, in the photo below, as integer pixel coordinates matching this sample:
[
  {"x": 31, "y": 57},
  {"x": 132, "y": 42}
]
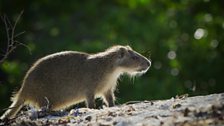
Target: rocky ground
[{"x": 179, "y": 111}]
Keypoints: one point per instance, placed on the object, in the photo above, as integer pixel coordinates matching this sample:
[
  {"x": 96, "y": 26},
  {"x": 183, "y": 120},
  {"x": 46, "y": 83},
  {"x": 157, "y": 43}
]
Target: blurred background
[{"x": 183, "y": 38}]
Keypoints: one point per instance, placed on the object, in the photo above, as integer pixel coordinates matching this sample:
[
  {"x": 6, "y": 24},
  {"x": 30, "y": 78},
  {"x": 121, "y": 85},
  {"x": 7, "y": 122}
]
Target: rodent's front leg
[
  {"x": 90, "y": 101},
  {"x": 109, "y": 97}
]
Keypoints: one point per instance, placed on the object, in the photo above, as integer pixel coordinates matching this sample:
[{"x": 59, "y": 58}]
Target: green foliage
[{"x": 184, "y": 39}]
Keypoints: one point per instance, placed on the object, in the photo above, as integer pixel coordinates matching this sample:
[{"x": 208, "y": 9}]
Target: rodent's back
[
  {"x": 62, "y": 59},
  {"x": 54, "y": 75},
  {"x": 57, "y": 65}
]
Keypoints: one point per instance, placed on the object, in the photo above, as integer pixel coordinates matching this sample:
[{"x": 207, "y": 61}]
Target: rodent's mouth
[{"x": 143, "y": 69}]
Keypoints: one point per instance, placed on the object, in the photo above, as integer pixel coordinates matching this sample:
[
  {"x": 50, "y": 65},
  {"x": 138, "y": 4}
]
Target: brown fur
[{"x": 69, "y": 77}]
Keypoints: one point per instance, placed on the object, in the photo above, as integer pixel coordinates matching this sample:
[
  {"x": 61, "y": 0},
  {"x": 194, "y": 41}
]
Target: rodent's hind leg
[
  {"x": 109, "y": 97},
  {"x": 90, "y": 101}
]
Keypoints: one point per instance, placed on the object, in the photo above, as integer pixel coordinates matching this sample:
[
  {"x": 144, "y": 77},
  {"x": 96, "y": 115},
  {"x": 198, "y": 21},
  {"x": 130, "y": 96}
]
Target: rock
[{"x": 181, "y": 110}]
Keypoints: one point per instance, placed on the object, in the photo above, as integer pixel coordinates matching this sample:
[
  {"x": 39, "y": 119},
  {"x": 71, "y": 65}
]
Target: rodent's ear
[{"x": 121, "y": 52}]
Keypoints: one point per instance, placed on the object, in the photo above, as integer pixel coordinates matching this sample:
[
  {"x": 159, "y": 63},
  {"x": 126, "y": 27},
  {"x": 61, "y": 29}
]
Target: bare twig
[
  {"x": 47, "y": 103},
  {"x": 11, "y": 36}
]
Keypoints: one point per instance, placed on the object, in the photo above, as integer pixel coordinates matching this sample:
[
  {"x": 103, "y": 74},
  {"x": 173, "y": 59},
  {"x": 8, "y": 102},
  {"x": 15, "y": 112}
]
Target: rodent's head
[{"x": 130, "y": 61}]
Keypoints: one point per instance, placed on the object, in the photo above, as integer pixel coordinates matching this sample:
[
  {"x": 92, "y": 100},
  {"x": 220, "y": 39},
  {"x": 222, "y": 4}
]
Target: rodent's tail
[{"x": 13, "y": 109}]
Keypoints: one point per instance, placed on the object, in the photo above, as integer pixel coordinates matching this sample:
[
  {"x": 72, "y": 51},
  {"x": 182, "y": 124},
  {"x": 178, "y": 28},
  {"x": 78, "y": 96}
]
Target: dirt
[{"x": 179, "y": 111}]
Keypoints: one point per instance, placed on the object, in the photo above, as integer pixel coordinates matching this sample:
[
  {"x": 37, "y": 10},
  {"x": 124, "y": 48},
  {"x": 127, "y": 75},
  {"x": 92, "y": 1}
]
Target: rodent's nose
[{"x": 148, "y": 63}]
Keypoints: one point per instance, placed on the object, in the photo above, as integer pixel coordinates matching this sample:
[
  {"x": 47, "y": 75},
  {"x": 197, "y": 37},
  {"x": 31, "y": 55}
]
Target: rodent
[{"x": 69, "y": 77}]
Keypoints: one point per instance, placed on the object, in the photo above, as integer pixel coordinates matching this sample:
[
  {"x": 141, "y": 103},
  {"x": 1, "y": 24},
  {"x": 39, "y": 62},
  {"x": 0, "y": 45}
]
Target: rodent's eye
[{"x": 134, "y": 57}]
